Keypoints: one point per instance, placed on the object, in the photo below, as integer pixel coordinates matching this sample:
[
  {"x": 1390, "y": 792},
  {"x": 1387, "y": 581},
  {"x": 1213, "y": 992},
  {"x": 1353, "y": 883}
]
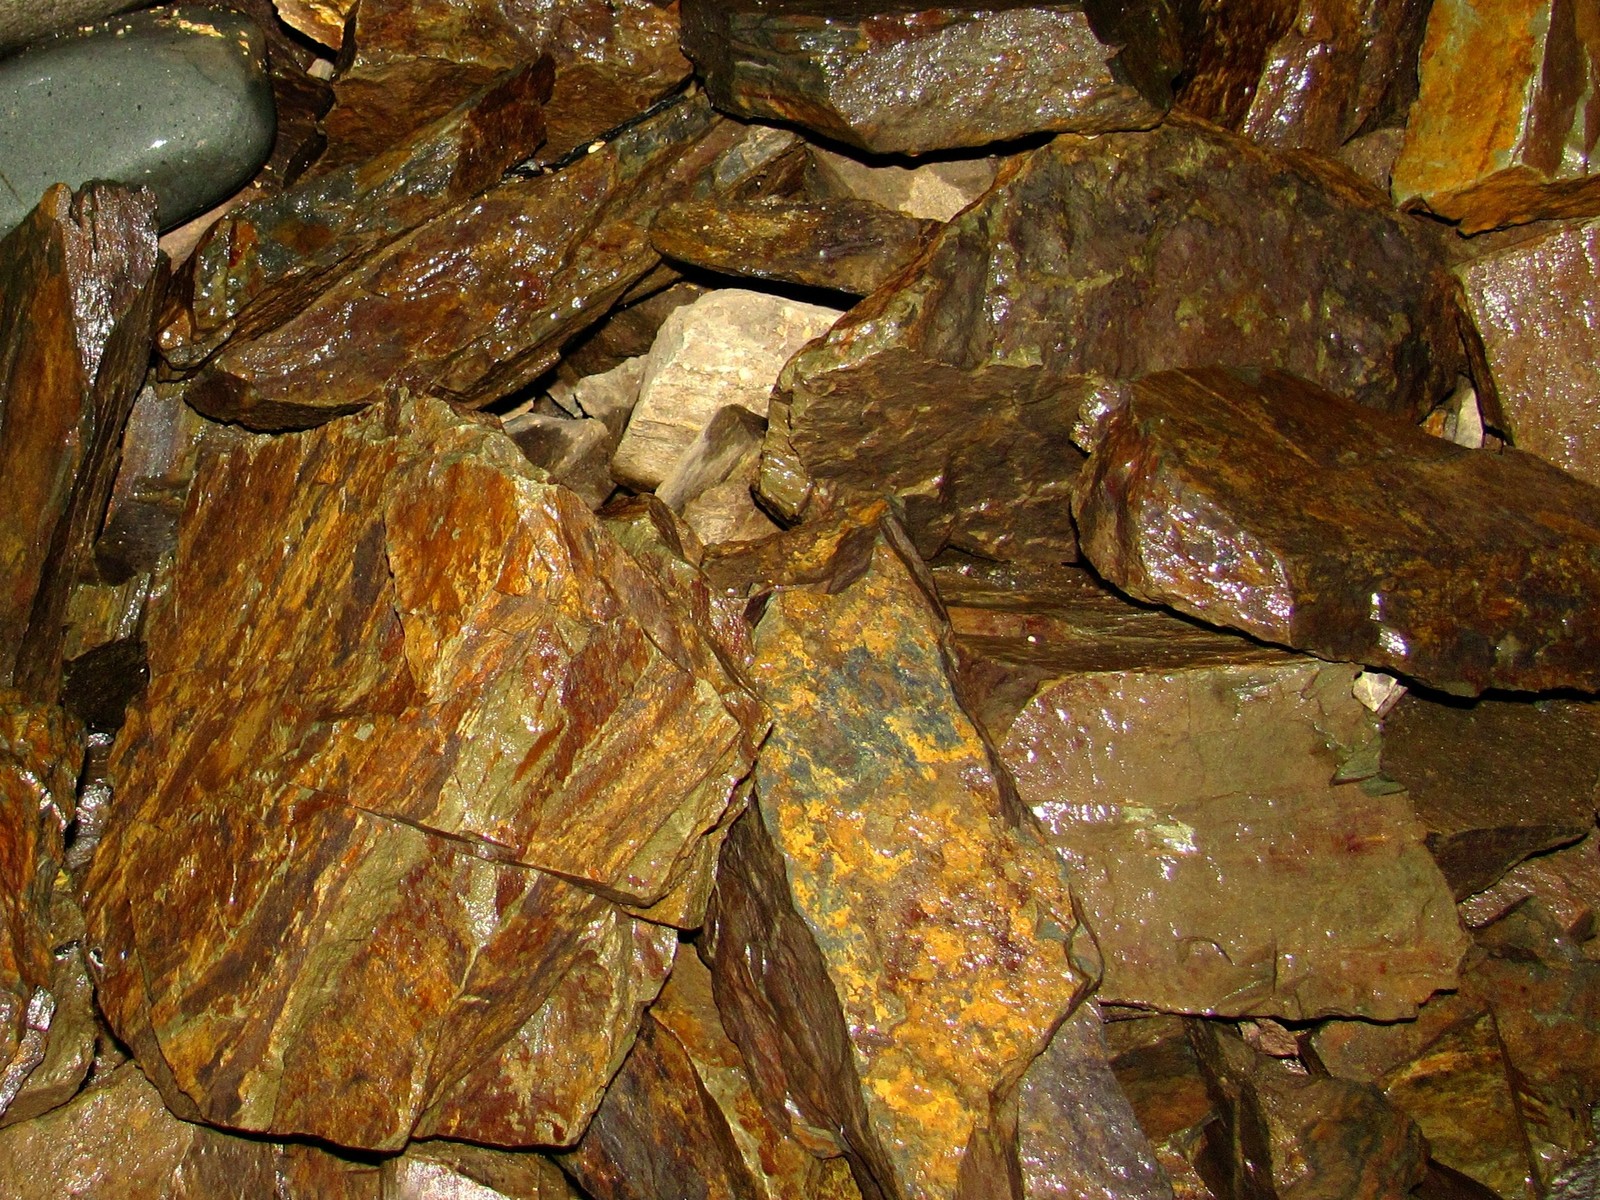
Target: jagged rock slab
[
  {"x": 1121, "y": 254},
  {"x": 1503, "y": 128},
  {"x": 441, "y": 1170},
  {"x": 891, "y": 941},
  {"x": 909, "y": 79},
  {"x": 1205, "y": 804},
  {"x": 1156, "y": 1069},
  {"x": 58, "y": 1047},
  {"x": 78, "y": 286},
  {"x": 1261, "y": 502},
  {"x": 1532, "y": 306},
  {"x": 1566, "y": 881},
  {"x": 547, "y": 256},
  {"x": 712, "y": 481},
  {"x": 417, "y": 802},
  {"x": 932, "y": 191},
  {"x": 320, "y": 20},
  {"x": 274, "y": 255},
  {"x": 573, "y": 452}
]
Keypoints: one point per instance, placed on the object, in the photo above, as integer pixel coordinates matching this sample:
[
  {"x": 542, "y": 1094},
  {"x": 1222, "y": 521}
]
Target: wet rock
[
  {"x": 175, "y": 99},
  {"x": 48, "y": 1072},
  {"x": 934, "y": 191},
  {"x": 1202, "y": 791},
  {"x": 883, "y": 78},
  {"x": 78, "y": 286},
  {"x": 1530, "y": 304},
  {"x": 724, "y": 349},
  {"x": 1119, "y": 255},
  {"x": 420, "y": 800},
  {"x": 1156, "y": 1068},
  {"x": 576, "y": 453},
  {"x": 1372, "y": 156},
  {"x": 401, "y": 319},
  {"x": 1503, "y": 129},
  {"x": 630, "y": 329},
  {"x": 320, "y": 20},
  {"x": 890, "y": 939},
  {"x": 1314, "y": 523},
  {"x": 457, "y": 1171},
  {"x": 849, "y": 246},
  {"x": 21, "y": 21},
  {"x": 1567, "y": 882},
  {"x": 711, "y": 483}
]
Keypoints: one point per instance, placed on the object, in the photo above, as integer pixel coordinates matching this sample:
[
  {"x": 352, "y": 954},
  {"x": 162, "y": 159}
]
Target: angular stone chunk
[
  {"x": 1117, "y": 255},
  {"x": 320, "y": 20},
  {"x": 891, "y": 940},
  {"x": 441, "y": 1170},
  {"x": 1532, "y": 304},
  {"x": 848, "y": 245},
  {"x": 1504, "y": 126},
  {"x": 576, "y": 453},
  {"x": 1262, "y": 502},
  {"x": 1200, "y": 793},
  {"x": 725, "y": 348},
  {"x": 441, "y": 672},
  {"x": 910, "y": 79},
  {"x": 934, "y": 191},
  {"x": 1566, "y": 881},
  {"x": 79, "y": 281},
  {"x": 710, "y": 485},
  {"x": 402, "y": 318},
  {"x": 1156, "y": 1069}
]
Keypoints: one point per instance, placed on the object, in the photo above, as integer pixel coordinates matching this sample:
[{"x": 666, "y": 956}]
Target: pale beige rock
[
  {"x": 932, "y": 191},
  {"x": 725, "y": 348},
  {"x": 710, "y": 486},
  {"x": 609, "y": 396}
]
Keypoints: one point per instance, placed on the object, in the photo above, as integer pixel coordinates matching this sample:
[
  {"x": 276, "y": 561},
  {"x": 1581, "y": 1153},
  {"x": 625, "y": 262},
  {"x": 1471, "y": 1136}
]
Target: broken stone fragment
[
  {"x": 711, "y": 484},
  {"x": 1531, "y": 304},
  {"x": 1261, "y": 502},
  {"x": 440, "y": 1170},
  {"x": 955, "y": 387},
  {"x": 573, "y": 452},
  {"x": 1566, "y": 881},
  {"x": 320, "y": 20},
  {"x": 1503, "y": 129},
  {"x": 21, "y": 21},
  {"x": 934, "y": 191},
  {"x": 891, "y": 941},
  {"x": 910, "y": 79},
  {"x": 462, "y": 726},
  {"x": 1202, "y": 791},
  {"x": 724, "y": 349},
  {"x": 1156, "y": 1069}
]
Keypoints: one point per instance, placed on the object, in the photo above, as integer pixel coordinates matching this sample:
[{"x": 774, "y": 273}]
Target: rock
[
  {"x": 44, "y": 1077},
  {"x": 1501, "y": 133},
  {"x": 457, "y": 1171},
  {"x": 629, "y": 330},
  {"x": 710, "y": 485},
  {"x": 1121, "y": 254},
  {"x": 575, "y": 453},
  {"x": 79, "y": 280},
  {"x": 1567, "y": 882},
  {"x": 320, "y": 20},
  {"x": 608, "y": 397},
  {"x": 21, "y": 21},
  {"x": 1156, "y": 1069},
  {"x": 891, "y": 941},
  {"x": 1529, "y": 302},
  {"x": 418, "y": 806},
  {"x": 1311, "y": 522},
  {"x": 175, "y": 99},
  {"x": 851, "y": 246},
  {"x": 883, "y": 78},
  {"x": 1161, "y": 759},
  {"x": 400, "y": 319},
  {"x": 934, "y": 191},
  {"x": 1372, "y": 156},
  {"x": 724, "y": 349}
]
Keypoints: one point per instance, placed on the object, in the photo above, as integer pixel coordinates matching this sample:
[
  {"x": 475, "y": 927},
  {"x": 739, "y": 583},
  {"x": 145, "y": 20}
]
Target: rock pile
[{"x": 806, "y": 601}]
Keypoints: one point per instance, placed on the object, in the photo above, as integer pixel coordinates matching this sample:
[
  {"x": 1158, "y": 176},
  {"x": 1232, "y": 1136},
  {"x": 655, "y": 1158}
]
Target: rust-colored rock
[
  {"x": 1504, "y": 127},
  {"x": 1259, "y": 501},
  {"x": 440, "y": 1170},
  {"x": 954, "y": 386},
  {"x": 891, "y": 940},
  {"x": 78, "y": 285},
  {"x": 912, "y": 78},
  {"x": 320, "y": 20},
  {"x": 346, "y": 894},
  {"x": 1203, "y": 791},
  {"x": 1566, "y": 881},
  {"x": 1532, "y": 304},
  {"x": 1155, "y": 1067},
  {"x": 404, "y": 319}
]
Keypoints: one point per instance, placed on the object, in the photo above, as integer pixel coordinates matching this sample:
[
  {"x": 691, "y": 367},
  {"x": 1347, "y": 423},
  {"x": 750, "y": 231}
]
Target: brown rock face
[
  {"x": 891, "y": 941},
  {"x": 354, "y": 892},
  {"x": 882, "y": 77},
  {"x": 954, "y": 386},
  {"x": 1504, "y": 125},
  {"x": 1264, "y": 503},
  {"x": 78, "y": 285},
  {"x": 1531, "y": 304}
]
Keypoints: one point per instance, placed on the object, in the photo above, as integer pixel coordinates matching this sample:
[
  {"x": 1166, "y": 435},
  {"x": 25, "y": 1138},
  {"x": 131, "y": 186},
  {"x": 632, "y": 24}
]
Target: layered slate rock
[
  {"x": 79, "y": 281},
  {"x": 1205, "y": 792},
  {"x": 1503, "y": 129},
  {"x": 360, "y": 890},
  {"x": 891, "y": 941},
  {"x": 954, "y": 387},
  {"x": 1261, "y": 502},
  {"x": 1156, "y": 1068},
  {"x": 547, "y": 256},
  {"x": 1531, "y": 305},
  {"x": 905, "y": 78},
  {"x": 1566, "y": 881}
]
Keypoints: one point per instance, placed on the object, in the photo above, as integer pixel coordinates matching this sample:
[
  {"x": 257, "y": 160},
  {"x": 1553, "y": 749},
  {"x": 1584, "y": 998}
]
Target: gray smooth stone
[{"x": 176, "y": 99}]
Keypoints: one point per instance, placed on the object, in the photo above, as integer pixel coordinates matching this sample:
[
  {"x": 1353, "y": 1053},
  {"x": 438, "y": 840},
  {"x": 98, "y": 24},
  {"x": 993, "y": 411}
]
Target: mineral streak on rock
[
  {"x": 1505, "y": 125},
  {"x": 1118, "y": 255},
  {"x": 79, "y": 281},
  {"x": 1201, "y": 789},
  {"x": 1261, "y": 502},
  {"x": 441, "y": 672},
  {"x": 479, "y": 301},
  {"x": 891, "y": 940},
  {"x": 905, "y": 78}
]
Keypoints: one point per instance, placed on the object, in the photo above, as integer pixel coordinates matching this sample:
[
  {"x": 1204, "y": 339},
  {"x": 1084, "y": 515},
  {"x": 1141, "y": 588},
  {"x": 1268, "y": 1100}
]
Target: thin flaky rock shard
[
  {"x": 1261, "y": 502},
  {"x": 465, "y": 735}
]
